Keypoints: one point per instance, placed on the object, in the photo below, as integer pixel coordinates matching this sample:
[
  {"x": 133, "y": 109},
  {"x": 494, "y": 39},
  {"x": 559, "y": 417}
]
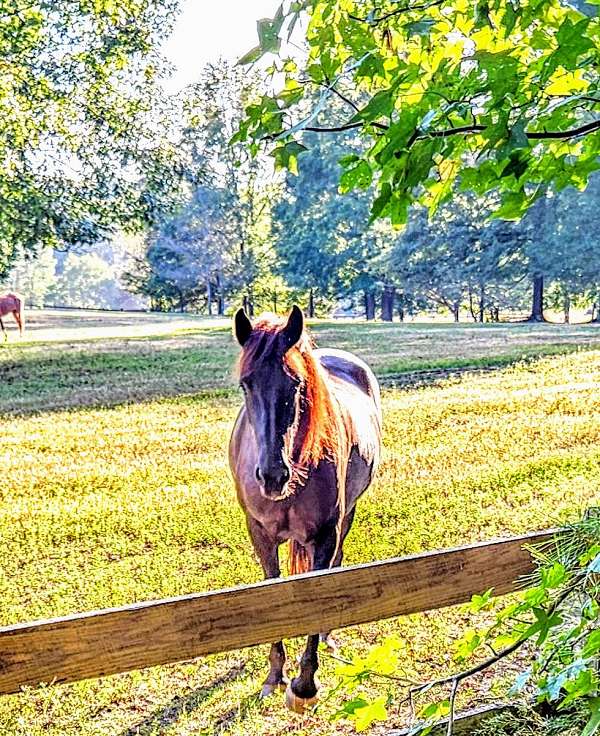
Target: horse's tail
[{"x": 300, "y": 560}]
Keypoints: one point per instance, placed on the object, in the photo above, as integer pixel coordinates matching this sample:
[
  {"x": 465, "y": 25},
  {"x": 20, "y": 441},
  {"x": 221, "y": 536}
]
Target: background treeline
[{"x": 244, "y": 235}]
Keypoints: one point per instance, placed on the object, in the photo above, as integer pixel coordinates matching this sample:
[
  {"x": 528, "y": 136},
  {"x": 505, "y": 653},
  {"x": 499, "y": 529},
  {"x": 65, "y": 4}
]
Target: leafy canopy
[
  {"x": 499, "y": 94},
  {"x": 82, "y": 139}
]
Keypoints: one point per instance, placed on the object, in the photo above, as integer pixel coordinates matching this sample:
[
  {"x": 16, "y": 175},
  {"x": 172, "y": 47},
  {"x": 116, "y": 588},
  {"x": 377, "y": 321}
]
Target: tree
[
  {"x": 575, "y": 248},
  {"x": 216, "y": 245},
  {"x": 459, "y": 257},
  {"x": 322, "y": 241},
  {"x": 31, "y": 277},
  {"x": 216, "y": 106},
  {"x": 186, "y": 257},
  {"x": 502, "y": 95},
  {"x": 83, "y": 142},
  {"x": 84, "y": 280}
]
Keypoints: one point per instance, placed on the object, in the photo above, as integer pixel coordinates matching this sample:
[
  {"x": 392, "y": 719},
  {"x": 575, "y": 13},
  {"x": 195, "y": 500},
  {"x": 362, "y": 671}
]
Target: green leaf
[
  {"x": 360, "y": 176},
  {"x": 553, "y": 576},
  {"x": 594, "y": 566},
  {"x": 268, "y": 33},
  {"x": 286, "y": 156},
  {"x": 381, "y": 202},
  {"x": 592, "y": 644},
  {"x": 381, "y": 104},
  {"x": 584, "y": 684},
  {"x": 250, "y": 57},
  {"x": 366, "y": 715},
  {"x": 481, "y": 602},
  {"x": 592, "y": 726},
  {"x": 466, "y": 645}
]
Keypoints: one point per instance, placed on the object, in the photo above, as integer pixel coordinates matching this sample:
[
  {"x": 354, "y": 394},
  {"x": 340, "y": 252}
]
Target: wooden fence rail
[{"x": 157, "y": 632}]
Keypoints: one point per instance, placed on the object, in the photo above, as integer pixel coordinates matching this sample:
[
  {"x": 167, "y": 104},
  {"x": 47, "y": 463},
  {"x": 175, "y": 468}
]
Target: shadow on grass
[
  {"x": 165, "y": 716},
  {"x": 437, "y": 371}
]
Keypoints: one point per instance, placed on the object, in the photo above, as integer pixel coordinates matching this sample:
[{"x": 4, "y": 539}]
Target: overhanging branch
[
  {"x": 406, "y": 9},
  {"x": 534, "y": 135}
]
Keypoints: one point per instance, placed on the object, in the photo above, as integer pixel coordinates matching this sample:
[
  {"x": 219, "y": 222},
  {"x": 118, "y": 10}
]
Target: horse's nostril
[{"x": 258, "y": 474}]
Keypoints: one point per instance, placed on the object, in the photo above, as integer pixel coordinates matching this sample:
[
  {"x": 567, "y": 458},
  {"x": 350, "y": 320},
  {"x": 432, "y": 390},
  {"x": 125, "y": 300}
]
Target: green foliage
[
  {"x": 557, "y": 618},
  {"x": 216, "y": 245},
  {"x": 83, "y": 142},
  {"x": 500, "y": 96},
  {"x": 83, "y": 281}
]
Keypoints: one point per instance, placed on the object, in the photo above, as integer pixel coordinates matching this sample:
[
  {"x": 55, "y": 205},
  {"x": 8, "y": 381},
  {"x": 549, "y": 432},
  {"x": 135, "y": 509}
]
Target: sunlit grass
[
  {"x": 172, "y": 355},
  {"x": 106, "y": 506}
]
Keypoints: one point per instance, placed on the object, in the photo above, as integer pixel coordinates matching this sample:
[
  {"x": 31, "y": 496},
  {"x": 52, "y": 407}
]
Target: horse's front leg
[
  {"x": 326, "y": 636},
  {"x": 302, "y": 691},
  {"x": 268, "y": 553}
]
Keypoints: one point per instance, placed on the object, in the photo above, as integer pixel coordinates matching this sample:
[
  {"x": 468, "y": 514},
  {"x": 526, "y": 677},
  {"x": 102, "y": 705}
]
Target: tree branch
[
  {"x": 535, "y": 135},
  {"x": 347, "y": 126},
  {"x": 405, "y": 9},
  {"x": 532, "y": 135},
  {"x": 342, "y": 97}
]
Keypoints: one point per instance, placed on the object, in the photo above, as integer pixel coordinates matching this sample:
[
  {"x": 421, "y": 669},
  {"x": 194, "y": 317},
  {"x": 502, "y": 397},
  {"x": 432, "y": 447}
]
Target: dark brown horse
[
  {"x": 304, "y": 447},
  {"x": 12, "y": 304}
]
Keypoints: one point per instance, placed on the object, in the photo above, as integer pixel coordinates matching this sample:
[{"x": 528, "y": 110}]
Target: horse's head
[{"x": 271, "y": 392}]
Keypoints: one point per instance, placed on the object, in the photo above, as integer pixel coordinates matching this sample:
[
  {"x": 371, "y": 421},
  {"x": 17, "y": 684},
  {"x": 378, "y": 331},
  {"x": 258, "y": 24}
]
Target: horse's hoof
[
  {"x": 268, "y": 688},
  {"x": 296, "y": 703},
  {"x": 330, "y": 643}
]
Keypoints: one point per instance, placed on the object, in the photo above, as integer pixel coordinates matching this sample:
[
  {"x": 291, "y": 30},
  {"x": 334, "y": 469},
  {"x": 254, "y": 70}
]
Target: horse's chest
[{"x": 298, "y": 518}]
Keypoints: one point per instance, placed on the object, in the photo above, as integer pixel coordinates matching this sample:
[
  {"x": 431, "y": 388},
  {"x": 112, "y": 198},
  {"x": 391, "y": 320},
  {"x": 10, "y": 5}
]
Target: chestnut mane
[{"x": 319, "y": 433}]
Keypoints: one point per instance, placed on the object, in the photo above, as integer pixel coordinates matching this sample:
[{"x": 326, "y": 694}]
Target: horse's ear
[
  {"x": 242, "y": 327},
  {"x": 292, "y": 332}
]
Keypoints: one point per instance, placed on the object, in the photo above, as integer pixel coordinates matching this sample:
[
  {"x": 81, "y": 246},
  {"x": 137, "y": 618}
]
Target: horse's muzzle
[{"x": 273, "y": 482}]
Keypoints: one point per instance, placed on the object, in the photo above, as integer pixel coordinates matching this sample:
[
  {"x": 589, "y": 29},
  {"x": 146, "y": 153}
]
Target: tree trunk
[
  {"x": 471, "y": 306},
  {"x": 209, "y": 297},
  {"x": 481, "y": 303},
  {"x": 369, "y": 305},
  {"x": 181, "y": 302},
  {"x": 537, "y": 306},
  {"x": 387, "y": 303},
  {"x": 311, "y": 303},
  {"x": 220, "y": 300},
  {"x": 274, "y": 303},
  {"x": 566, "y": 307},
  {"x": 248, "y": 306},
  {"x": 455, "y": 311},
  {"x": 401, "y": 307}
]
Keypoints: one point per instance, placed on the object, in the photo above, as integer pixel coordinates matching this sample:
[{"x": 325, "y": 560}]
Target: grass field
[{"x": 115, "y": 489}]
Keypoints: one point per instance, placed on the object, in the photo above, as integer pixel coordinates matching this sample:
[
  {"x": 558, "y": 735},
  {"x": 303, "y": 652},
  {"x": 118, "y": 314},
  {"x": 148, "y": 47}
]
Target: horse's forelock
[{"x": 265, "y": 344}]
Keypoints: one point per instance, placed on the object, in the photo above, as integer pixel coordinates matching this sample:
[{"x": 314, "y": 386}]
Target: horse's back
[{"x": 349, "y": 368}]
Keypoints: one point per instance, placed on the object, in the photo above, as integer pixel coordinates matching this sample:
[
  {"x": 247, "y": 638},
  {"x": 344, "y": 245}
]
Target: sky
[{"x": 207, "y": 30}]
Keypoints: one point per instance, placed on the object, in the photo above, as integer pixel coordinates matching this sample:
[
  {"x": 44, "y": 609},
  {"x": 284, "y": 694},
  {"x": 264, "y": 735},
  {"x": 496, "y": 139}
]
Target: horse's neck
[{"x": 320, "y": 419}]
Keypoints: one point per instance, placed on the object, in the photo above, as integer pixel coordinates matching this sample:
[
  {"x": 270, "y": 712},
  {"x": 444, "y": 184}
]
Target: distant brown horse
[
  {"x": 304, "y": 447},
  {"x": 12, "y": 303}
]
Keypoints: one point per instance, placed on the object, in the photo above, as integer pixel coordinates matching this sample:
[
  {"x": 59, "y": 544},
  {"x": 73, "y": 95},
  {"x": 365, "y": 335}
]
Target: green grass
[
  {"x": 100, "y": 361},
  {"x": 108, "y": 504}
]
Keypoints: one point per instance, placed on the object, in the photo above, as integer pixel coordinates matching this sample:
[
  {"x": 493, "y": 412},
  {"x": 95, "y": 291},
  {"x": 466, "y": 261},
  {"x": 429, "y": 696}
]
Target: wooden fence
[{"x": 157, "y": 632}]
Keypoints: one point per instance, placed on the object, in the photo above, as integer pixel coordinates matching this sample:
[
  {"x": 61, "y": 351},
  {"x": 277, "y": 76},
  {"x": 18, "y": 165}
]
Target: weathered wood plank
[{"x": 121, "y": 639}]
